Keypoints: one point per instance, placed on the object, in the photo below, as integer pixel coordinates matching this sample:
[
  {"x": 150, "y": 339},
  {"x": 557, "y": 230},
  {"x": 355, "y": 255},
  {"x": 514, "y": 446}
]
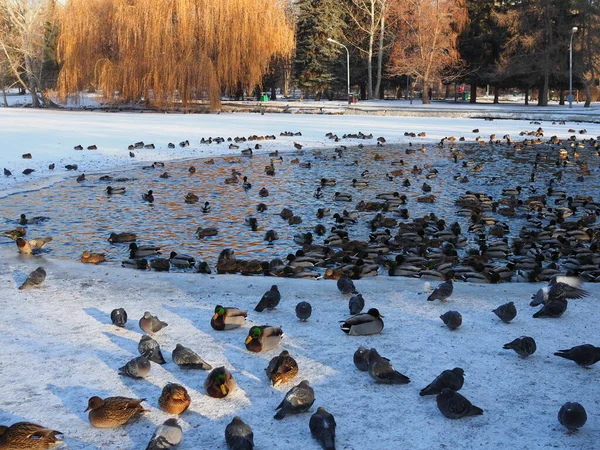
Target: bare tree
[
  {"x": 428, "y": 41},
  {"x": 23, "y": 25},
  {"x": 588, "y": 42}
]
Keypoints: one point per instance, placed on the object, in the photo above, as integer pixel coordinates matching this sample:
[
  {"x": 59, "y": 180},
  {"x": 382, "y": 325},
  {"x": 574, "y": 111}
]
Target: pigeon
[
  {"x": 136, "y": 368},
  {"x": 584, "y": 355},
  {"x": 167, "y": 435},
  {"x": 506, "y": 312},
  {"x": 382, "y": 371},
  {"x": 269, "y": 300},
  {"x": 346, "y": 285},
  {"x": 451, "y": 379},
  {"x": 553, "y": 308},
  {"x": 559, "y": 288},
  {"x": 149, "y": 348},
  {"x": 51, "y": 166},
  {"x": 7, "y": 172},
  {"x": 28, "y": 171},
  {"x": 322, "y": 427},
  {"x": 442, "y": 292},
  {"x": 188, "y": 359},
  {"x": 524, "y": 346},
  {"x": 32, "y": 246},
  {"x": 356, "y": 304},
  {"x": 239, "y": 435},
  {"x": 452, "y": 319},
  {"x": 361, "y": 359},
  {"x": 303, "y": 311},
  {"x": 35, "y": 279},
  {"x": 151, "y": 324},
  {"x": 572, "y": 415},
  {"x": 297, "y": 400},
  {"x": 119, "y": 317},
  {"x": 454, "y": 406}
]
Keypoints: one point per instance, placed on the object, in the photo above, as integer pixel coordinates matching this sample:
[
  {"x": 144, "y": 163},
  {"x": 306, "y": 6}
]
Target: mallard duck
[
  {"x": 263, "y": 338},
  {"x": 18, "y": 232},
  {"x": 31, "y": 246},
  {"x": 246, "y": 184},
  {"x": 149, "y": 196},
  {"x": 140, "y": 264},
  {"x": 181, "y": 261},
  {"x": 27, "y": 436},
  {"x": 174, "y": 399},
  {"x": 271, "y": 235},
  {"x": 318, "y": 193},
  {"x": 206, "y": 208},
  {"x": 263, "y": 192},
  {"x": 340, "y": 197},
  {"x": 205, "y": 232},
  {"x": 191, "y": 198},
  {"x": 122, "y": 237},
  {"x": 113, "y": 412},
  {"x": 227, "y": 318},
  {"x": 112, "y": 191},
  {"x": 92, "y": 258},
  {"x": 219, "y": 383},
  {"x": 141, "y": 251},
  {"x": 363, "y": 324},
  {"x": 282, "y": 368}
]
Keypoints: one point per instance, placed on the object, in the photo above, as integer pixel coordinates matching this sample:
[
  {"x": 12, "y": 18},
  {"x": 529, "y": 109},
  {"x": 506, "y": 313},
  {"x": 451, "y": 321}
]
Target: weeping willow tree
[{"x": 165, "y": 51}]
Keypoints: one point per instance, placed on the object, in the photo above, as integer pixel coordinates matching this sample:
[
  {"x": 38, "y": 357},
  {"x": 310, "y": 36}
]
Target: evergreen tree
[{"x": 317, "y": 20}]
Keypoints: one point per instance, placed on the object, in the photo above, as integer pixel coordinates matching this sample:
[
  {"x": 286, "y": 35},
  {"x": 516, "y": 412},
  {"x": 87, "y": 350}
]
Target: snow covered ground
[{"x": 58, "y": 347}]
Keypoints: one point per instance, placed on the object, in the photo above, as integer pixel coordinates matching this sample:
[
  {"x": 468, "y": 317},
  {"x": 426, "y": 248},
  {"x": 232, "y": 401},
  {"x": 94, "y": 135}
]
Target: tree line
[{"x": 166, "y": 52}]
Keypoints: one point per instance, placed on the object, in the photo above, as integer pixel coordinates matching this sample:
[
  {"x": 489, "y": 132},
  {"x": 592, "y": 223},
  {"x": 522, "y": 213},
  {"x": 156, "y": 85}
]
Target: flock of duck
[{"x": 552, "y": 247}]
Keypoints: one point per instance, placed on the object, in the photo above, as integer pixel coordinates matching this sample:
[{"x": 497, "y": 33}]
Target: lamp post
[
  {"x": 347, "y": 65},
  {"x": 573, "y": 30}
]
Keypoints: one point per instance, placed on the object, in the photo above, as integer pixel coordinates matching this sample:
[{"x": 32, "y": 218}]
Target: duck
[
  {"x": 356, "y": 183},
  {"x": 27, "y": 436},
  {"x": 246, "y": 184},
  {"x": 219, "y": 383},
  {"x": 174, "y": 399},
  {"x": 23, "y": 220},
  {"x": 363, "y": 324},
  {"x": 339, "y": 197},
  {"x": 139, "y": 264},
  {"x": 113, "y": 412},
  {"x": 191, "y": 198},
  {"x": 181, "y": 261},
  {"x": 227, "y": 318},
  {"x": 205, "y": 232},
  {"x": 263, "y": 338},
  {"x": 281, "y": 368},
  {"x": 142, "y": 251},
  {"x": 112, "y": 191},
  {"x": 328, "y": 182},
  {"x": 206, "y": 208},
  {"x": 149, "y": 196},
  {"x": 261, "y": 207},
  {"x": 92, "y": 258},
  {"x": 271, "y": 235},
  {"x": 122, "y": 237},
  {"x": 31, "y": 246},
  {"x": 263, "y": 192},
  {"x": 318, "y": 193}
]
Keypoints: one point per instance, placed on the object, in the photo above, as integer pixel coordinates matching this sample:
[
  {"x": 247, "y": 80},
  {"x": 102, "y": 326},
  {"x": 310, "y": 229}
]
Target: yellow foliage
[{"x": 166, "y": 51}]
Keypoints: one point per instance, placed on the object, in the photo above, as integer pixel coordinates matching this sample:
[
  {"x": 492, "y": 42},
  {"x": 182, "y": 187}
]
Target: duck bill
[
  {"x": 215, "y": 316},
  {"x": 381, "y": 315},
  {"x": 87, "y": 409},
  {"x": 248, "y": 340},
  {"x": 223, "y": 389}
]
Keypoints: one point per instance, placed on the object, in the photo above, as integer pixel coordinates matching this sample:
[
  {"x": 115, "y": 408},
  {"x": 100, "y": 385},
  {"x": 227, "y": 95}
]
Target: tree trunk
[
  {"x": 363, "y": 91},
  {"x": 447, "y": 92},
  {"x": 32, "y": 86},
  {"x": 370, "y": 52},
  {"x": 561, "y": 97},
  {"x": 543, "y": 92},
  {"x": 496, "y": 95},
  {"x": 588, "y": 96},
  {"x": 426, "y": 99},
  {"x": 4, "y": 99},
  {"x": 380, "y": 55},
  {"x": 473, "y": 91},
  {"x": 526, "y": 96},
  {"x": 273, "y": 93}
]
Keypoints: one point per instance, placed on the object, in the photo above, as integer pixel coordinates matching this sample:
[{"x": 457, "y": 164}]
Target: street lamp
[
  {"x": 347, "y": 65},
  {"x": 573, "y": 30}
]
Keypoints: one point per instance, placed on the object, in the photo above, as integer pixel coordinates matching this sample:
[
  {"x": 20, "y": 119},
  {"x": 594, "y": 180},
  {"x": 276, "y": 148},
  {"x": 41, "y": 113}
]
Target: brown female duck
[
  {"x": 27, "y": 436},
  {"x": 174, "y": 399},
  {"x": 282, "y": 368},
  {"x": 113, "y": 412}
]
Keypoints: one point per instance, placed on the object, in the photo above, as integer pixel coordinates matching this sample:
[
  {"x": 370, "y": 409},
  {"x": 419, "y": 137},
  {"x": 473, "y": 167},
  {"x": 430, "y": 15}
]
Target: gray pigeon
[
  {"x": 452, "y": 379},
  {"x": 584, "y": 355},
  {"x": 524, "y": 346},
  {"x": 35, "y": 279},
  {"x": 239, "y": 435},
  {"x": 442, "y": 292},
  {"x": 119, "y": 317},
  {"x": 136, "y": 368},
  {"x": 553, "y": 308},
  {"x": 269, "y": 300},
  {"x": 452, "y": 319},
  {"x": 572, "y": 415},
  {"x": 297, "y": 400},
  {"x": 356, "y": 304},
  {"x": 188, "y": 359},
  {"x": 454, "y": 406},
  {"x": 303, "y": 311},
  {"x": 361, "y": 359},
  {"x": 381, "y": 370},
  {"x": 167, "y": 435},
  {"x": 322, "y": 427},
  {"x": 346, "y": 285},
  {"x": 149, "y": 348},
  {"x": 151, "y": 324},
  {"x": 559, "y": 288},
  {"x": 506, "y": 312}
]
